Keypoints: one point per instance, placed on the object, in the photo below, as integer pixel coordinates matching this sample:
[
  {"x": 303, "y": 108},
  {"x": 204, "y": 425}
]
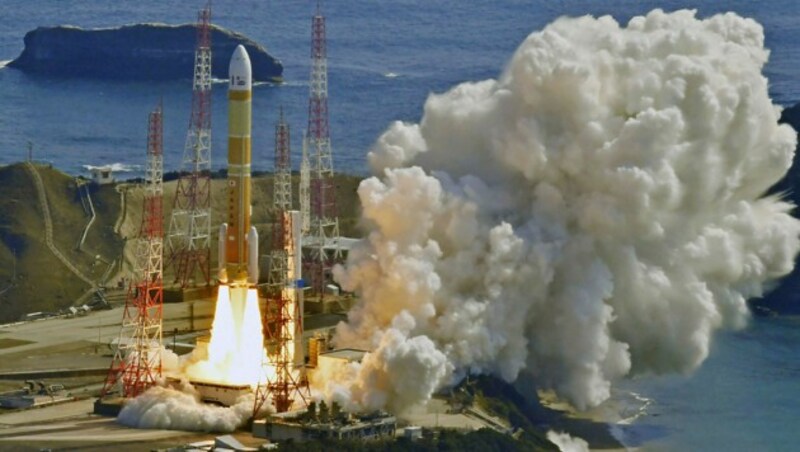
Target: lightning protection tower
[
  {"x": 283, "y": 315},
  {"x": 189, "y": 238},
  {"x": 283, "y": 166},
  {"x": 304, "y": 188},
  {"x": 321, "y": 241},
  {"x": 137, "y": 361}
]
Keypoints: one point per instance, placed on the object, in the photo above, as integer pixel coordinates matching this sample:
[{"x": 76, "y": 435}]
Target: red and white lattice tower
[
  {"x": 283, "y": 315},
  {"x": 189, "y": 238},
  {"x": 283, "y": 166},
  {"x": 321, "y": 242},
  {"x": 137, "y": 361}
]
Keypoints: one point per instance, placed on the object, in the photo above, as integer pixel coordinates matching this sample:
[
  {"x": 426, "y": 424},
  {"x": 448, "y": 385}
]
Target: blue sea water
[
  {"x": 743, "y": 398},
  {"x": 384, "y": 59}
]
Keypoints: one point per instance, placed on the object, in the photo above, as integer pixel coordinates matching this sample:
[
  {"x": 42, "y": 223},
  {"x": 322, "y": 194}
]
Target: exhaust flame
[
  {"x": 233, "y": 356},
  {"x": 235, "y": 353}
]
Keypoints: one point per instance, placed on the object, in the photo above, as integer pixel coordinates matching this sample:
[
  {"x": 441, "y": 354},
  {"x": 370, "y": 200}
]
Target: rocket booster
[{"x": 238, "y": 240}]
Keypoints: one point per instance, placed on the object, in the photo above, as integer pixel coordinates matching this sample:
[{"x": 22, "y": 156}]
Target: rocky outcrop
[{"x": 136, "y": 52}]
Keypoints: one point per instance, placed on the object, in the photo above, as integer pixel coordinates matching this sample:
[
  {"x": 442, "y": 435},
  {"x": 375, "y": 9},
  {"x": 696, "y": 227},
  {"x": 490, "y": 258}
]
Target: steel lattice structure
[
  {"x": 321, "y": 242},
  {"x": 283, "y": 315},
  {"x": 137, "y": 361},
  {"x": 283, "y": 166},
  {"x": 189, "y": 238},
  {"x": 304, "y": 188}
]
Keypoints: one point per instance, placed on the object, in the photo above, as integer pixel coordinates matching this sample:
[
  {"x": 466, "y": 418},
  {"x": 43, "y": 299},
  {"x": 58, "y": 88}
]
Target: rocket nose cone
[
  {"x": 240, "y": 53},
  {"x": 239, "y": 71}
]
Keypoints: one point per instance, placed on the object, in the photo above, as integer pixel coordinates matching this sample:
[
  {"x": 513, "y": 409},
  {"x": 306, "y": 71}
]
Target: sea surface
[{"x": 385, "y": 57}]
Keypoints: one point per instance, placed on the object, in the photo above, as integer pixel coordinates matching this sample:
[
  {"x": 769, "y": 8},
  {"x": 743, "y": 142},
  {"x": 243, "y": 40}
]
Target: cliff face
[{"x": 136, "y": 52}]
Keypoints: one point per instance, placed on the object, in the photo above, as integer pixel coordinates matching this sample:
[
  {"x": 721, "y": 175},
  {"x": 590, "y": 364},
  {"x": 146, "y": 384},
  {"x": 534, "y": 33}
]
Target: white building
[{"x": 102, "y": 175}]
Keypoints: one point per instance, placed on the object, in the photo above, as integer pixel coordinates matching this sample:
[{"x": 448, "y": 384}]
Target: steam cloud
[
  {"x": 567, "y": 443},
  {"x": 596, "y": 211},
  {"x": 181, "y": 409}
]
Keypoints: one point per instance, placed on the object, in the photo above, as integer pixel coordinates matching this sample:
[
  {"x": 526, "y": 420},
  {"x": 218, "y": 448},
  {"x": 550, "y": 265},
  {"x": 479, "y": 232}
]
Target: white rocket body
[{"x": 238, "y": 239}]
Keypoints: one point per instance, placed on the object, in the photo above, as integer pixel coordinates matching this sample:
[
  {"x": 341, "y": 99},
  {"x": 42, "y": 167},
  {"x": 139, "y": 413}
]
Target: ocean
[{"x": 384, "y": 59}]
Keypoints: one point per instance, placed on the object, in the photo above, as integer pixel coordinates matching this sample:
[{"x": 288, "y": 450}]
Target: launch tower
[
  {"x": 321, "y": 241},
  {"x": 137, "y": 361},
  {"x": 189, "y": 239},
  {"x": 304, "y": 189},
  {"x": 283, "y": 316}
]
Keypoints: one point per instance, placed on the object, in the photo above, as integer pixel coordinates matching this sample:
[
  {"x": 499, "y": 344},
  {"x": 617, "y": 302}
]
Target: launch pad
[
  {"x": 255, "y": 353},
  {"x": 215, "y": 393}
]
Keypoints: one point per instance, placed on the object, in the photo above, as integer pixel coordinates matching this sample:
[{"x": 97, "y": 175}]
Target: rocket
[{"x": 238, "y": 240}]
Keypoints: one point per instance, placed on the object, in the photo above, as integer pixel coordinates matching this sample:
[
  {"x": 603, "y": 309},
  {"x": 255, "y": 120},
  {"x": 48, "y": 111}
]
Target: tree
[
  {"x": 324, "y": 413},
  {"x": 336, "y": 412}
]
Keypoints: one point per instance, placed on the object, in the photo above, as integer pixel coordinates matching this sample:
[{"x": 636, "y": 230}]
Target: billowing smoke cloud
[
  {"x": 181, "y": 409},
  {"x": 567, "y": 443},
  {"x": 178, "y": 406},
  {"x": 596, "y": 211}
]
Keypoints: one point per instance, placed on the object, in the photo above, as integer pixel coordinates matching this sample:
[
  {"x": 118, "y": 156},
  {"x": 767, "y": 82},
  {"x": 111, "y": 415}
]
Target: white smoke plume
[
  {"x": 596, "y": 211},
  {"x": 567, "y": 443},
  {"x": 181, "y": 409}
]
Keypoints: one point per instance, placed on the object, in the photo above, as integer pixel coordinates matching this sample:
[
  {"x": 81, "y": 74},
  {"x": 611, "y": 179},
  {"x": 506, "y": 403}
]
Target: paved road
[
  {"x": 68, "y": 343},
  {"x": 72, "y": 424}
]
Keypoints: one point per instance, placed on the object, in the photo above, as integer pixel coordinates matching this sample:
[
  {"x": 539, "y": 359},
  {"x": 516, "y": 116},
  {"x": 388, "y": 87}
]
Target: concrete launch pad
[
  {"x": 72, "y": 425},
  {"x": 218, "y": 393}
]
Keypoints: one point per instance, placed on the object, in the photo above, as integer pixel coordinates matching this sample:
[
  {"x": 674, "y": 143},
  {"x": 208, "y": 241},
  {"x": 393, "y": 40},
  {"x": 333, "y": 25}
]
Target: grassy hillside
[
  {"x": 263, "y": 213},
  {"x": 43, "y": 283}
]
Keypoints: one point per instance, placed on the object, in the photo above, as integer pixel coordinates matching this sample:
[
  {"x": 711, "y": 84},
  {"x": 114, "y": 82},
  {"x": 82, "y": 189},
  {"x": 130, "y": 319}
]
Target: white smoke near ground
[
  {"x": 170, "y": 361},
  {"x": 174, "y": 404},
  {"x": 567, "y": 443},
  {"x": 596, "y": 211},
  {"x": 180, "y": 408}
]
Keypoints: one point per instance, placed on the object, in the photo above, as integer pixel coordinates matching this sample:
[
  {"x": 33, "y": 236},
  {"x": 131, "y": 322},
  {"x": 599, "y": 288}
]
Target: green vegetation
[
  {"x": 32, "y": 279},
  {"x": 484, "y": 440},
  {"x": 491, "y": 394},
  {"x": 10, "y": 342},
  {"x": 531, "y": 418},
  {"x": 502, "y": 400}
]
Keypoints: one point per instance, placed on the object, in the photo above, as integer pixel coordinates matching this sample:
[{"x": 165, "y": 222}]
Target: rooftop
[{"x": 347, "y": 354}]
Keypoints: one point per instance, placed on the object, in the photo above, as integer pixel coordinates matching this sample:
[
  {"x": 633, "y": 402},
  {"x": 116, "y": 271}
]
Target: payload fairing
[{"x": 238, "y": 240}]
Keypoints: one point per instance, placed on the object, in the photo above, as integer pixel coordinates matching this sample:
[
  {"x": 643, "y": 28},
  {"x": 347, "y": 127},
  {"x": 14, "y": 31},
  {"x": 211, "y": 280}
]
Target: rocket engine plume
[
  {"x": 596, "y": 211},
  {"x": 234, "y": 353}
]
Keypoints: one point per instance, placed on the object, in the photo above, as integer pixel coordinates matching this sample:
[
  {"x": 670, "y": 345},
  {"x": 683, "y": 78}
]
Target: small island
[{"x": 136, "y": 52}]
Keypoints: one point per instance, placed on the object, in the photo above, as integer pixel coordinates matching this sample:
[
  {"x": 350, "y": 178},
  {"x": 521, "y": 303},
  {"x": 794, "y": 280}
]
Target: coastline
[{"x": 610, "y": 426}]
